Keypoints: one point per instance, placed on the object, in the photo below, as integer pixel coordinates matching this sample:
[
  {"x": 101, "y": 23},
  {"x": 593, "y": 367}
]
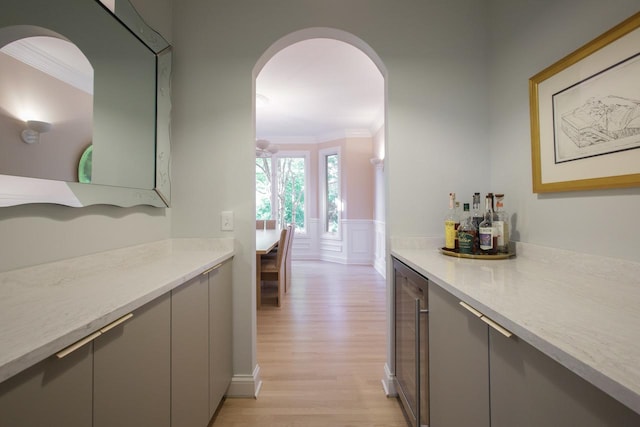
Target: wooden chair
[
  {"x": 259, "y": 224},
  {"x": 270, "y": 224},
  {"x": 287, "y": 270},
  {"x": 273, "y": 268}
]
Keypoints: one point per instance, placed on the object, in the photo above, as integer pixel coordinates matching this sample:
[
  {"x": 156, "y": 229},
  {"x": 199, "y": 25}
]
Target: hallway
[{"x": 322, "y": 354}]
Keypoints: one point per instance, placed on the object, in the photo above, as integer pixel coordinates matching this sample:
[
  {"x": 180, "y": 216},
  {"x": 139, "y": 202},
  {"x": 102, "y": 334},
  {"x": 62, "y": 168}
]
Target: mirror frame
[{"x": 75, "y": 194}]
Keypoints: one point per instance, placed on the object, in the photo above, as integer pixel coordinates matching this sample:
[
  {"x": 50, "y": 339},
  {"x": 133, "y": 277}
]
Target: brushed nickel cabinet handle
[
  {"x": 417, "y": 356},
  {"x": 211, "y": 269},
  {"x": 116, "y": 323},
  {"x": 471, "y": 309},
  {"x": 418, "y": 367},
  {"x": 76, "y": 345},
  {"x": 497, "y": 327}
]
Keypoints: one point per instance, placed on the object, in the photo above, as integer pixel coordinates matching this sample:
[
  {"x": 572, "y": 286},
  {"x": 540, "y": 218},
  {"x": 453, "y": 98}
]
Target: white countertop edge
[
  {"x": 580, "y": 367},
  {"x": 215, "y": 251}
]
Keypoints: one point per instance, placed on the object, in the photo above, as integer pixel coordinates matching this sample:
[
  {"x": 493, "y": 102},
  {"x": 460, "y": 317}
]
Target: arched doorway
[
  {"x": 351, "y": 230},
  {"x": 324, "y": 89}
]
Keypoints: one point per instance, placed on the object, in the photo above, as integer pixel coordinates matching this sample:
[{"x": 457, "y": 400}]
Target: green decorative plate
[{"x": 84, "y": 166}]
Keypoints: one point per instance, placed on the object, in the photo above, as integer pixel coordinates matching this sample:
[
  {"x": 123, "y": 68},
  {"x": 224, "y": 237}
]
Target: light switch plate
[{"x": 226, "y": 220}]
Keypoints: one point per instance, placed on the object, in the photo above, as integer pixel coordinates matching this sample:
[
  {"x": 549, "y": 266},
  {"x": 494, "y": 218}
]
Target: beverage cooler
[{"x": 412, "y": 342}]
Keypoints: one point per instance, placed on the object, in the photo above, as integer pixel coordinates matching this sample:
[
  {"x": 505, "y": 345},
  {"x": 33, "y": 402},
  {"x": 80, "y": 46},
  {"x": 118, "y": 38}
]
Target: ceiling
[
  {"x": 317, "y": 90},
  {"x": 312, "y": 91}
]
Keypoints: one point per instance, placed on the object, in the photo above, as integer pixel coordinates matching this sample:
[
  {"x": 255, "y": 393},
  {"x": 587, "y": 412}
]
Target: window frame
[
  {"x": 274, "y": 199},
  {"x": 322, "y": 181},
  {"x": 273, "y": 196}
]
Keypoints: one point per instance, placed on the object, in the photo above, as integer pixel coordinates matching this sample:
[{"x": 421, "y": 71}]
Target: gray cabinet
[
  {"x": 530, "y": 389},
  {"x": 170, "y": 364},
  {"x": 190, "y": 353},
  {"x": 458, "y": 363},
  {"x": 481, "y": 377},
  {"x": 220, "y": 330},
  {"x": 53, "y": 393},
  {"x": 132, "y": 365},
  {"x": 201, "y": 353}
]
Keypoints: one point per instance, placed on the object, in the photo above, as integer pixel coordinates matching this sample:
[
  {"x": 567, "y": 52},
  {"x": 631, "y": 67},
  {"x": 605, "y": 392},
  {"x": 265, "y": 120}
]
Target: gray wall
[
  {"x": 526, "y": 37},
  {"x": 434, "y": 53}
]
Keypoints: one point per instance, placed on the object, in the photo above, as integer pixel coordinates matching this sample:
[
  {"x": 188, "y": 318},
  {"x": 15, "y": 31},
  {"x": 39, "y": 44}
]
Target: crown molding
[
  {"x": 326, "y": 137},
  {"x": 31, "y": 54}
]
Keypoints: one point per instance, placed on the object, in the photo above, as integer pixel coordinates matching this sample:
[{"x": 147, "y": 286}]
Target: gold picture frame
[{"x": 585, "y": 115}]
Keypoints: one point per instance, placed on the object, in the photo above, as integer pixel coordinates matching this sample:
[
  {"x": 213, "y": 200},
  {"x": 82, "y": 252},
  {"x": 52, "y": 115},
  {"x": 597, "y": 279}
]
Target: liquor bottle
[
  {"x": 477, "y": 218},
  {"x": 467, "y": 233},
  {"x": 493, "y": 206},
  {"x": 451, "y": 223},
  {"x": 486, "y": 231},
  {"x": 502, "y": 224},
  {"x": 457, "y": 213},
  {"x": 496, "y": 230}
]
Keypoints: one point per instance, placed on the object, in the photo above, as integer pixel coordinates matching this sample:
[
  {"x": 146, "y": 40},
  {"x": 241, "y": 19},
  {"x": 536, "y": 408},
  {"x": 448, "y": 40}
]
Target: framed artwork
[{"x": 585, "y": 115}]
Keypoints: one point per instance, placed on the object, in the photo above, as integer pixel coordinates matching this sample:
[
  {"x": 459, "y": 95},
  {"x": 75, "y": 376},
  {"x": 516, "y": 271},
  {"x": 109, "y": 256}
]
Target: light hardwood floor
[{"x": 321, "y": 354}]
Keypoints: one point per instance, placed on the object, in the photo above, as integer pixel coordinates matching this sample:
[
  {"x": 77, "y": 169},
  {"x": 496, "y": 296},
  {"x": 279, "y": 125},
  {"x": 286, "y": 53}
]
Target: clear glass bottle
[
  {"x": 502, "y": 225},
  {"x": 467, "y": 233},
  {"x": 477, "y": 217},
  {"x": 486, "y": 231},
  {"x": 451, "y": 224}
]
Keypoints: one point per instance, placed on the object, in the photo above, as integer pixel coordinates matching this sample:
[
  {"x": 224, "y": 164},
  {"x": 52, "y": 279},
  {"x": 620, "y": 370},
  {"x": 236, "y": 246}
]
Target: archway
[{"x": 378, "y": 223}]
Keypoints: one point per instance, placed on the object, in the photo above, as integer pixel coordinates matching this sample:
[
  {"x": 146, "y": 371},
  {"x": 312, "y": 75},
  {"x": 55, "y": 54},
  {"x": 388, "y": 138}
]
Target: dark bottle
[{"x": 467, "y": 233}]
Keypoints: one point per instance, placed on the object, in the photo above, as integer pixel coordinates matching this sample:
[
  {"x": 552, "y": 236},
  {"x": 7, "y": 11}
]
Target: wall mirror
[{"x": 84, "y": 105}]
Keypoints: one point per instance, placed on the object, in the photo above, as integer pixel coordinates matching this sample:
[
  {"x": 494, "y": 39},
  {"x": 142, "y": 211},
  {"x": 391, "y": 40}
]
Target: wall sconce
[
  {"x": 265, "y": 149},
  {"x": 31, "y": 134},
  {"x": 377, "y": 162}
]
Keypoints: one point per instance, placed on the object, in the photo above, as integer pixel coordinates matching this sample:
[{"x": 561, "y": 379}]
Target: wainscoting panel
[
  {"x": 379, "y": 255},
  {"x": 361, "y": 241}
]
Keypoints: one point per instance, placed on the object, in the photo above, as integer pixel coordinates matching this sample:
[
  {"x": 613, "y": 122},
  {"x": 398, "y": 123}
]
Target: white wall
[
  {"x": 434, "y": 53},
  {"x": 34, "y": 234},
  {"x": 526, "y": 37}
]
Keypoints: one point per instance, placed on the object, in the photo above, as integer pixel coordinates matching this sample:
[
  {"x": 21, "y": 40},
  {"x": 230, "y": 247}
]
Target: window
[
  {"x": 329, "y": 179},
  {"x": 287, "y": 204},
  {"x": 332, "y": 193},
  {"x": 263, "y": 188},
  {"x": 291, "y": 190}
]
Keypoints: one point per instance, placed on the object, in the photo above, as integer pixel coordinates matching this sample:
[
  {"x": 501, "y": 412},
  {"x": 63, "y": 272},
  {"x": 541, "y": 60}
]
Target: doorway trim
[{"x": 353, "y": 40}]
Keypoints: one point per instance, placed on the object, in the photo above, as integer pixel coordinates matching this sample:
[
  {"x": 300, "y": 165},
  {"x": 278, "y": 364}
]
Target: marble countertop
[
  {"x": 45, "y": 308},
  {"x": 581, "y": 310}
]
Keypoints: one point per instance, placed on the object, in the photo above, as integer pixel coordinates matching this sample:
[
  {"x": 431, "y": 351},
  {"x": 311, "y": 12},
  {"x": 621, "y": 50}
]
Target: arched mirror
[{"x": 84, "y": 105}]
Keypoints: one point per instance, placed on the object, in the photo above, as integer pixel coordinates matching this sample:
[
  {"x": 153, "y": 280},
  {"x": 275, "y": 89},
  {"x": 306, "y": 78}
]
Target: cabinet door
[
  {"x": 220, "y": 328},
  {"x": 459, "y": 363},
  {"x": 529, "y": 389},
  {"x": 190, "y": 354},
  {"x": 53, "y": 393},
  {"x": 132, "y": 369}
]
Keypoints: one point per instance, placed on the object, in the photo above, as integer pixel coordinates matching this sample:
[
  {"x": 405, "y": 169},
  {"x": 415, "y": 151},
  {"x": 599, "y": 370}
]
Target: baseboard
[
  {"x": 245, "y": 385},
  {"x": 388, "y": 382},
  {"x": 381, "y": 266}
]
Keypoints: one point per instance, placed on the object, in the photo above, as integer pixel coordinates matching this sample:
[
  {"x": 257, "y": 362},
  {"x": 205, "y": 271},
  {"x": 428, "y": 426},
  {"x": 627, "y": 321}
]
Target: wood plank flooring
[{"x": 321, "y": 354}]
